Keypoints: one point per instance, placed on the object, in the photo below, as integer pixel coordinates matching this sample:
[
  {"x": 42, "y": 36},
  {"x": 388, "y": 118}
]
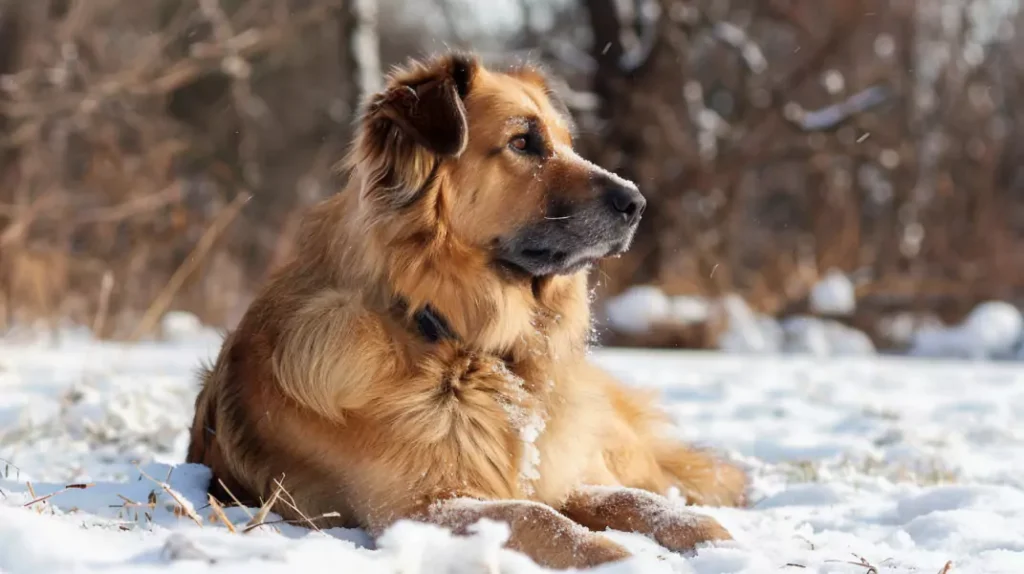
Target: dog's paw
[
  {"x": 686, "y": 530},
  {"x": 595, "y": 550}
]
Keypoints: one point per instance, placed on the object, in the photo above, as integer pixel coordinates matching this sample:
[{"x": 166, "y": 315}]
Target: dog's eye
[
  {"x": 527, "y": 144},
  {"x": 520, "y": 143}
]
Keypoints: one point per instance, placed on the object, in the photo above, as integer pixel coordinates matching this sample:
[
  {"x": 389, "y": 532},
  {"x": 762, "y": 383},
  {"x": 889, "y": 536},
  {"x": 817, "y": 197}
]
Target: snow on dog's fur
[{"x": 423, "y": 355}]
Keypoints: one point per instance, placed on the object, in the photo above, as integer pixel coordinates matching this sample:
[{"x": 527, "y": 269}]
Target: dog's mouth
[
  {"x": 565, "y": 245},
  {"x": 538, "y": 261}
]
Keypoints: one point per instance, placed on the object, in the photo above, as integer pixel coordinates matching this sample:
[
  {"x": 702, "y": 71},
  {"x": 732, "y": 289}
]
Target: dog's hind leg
[
  {"x": 633, "y": 510},
  {"x": 549, "y": 538}
]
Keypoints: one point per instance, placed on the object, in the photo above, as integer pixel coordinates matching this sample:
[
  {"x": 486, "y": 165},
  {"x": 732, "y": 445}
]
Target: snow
[
  {"x": 637, "y": 309},
  {"x": 906, "y": 463},
  {"x": 833, "y": 295},
  {"x": 529, "y": 462},
  {"x": 747, "y": 330},
  {"x": 529, "y": 423},
  {"x": 810, "y": 335},
  {"x": 641, "y": 307},
  {"x": 992, "y": 330}
]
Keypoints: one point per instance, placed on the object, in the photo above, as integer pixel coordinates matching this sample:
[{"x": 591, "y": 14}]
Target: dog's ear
[
  {"x": 426, "y": 103},
  {"x": 416, "y": 120}
]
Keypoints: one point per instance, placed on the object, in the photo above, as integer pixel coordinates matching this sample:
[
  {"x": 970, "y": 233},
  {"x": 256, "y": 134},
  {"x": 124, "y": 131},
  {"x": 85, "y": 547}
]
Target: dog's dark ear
[
  {"x": 426, "y": 103},
  {"x": 403, "y": 130}
]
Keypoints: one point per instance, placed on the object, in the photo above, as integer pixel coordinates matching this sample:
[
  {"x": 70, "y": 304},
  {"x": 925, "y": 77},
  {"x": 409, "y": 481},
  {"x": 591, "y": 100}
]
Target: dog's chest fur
[
  {"x": 542, "y": 409},
  {"x": 559, "y": 412}
]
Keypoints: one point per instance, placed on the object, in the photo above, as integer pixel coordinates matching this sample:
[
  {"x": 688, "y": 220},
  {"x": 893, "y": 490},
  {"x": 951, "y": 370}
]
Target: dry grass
[
  {"x": 774, "y": 141},
  {"x": 194, "y": 260},
  {"x": 925, "y": 473},
  {"x": 870, "y": 568},
  {"x": 131, "y": 135},
  {"x": 182, "y": 507},
  {"x": 281, "y": 494},
  {"x": 218, "y": 515},
  {"x": 45, "y": 497},
  {"x": 861, "y": 561}
]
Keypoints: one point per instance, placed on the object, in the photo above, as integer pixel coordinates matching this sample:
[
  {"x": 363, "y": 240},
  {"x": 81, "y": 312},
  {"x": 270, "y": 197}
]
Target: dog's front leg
[
  {"x": 547, "y": 537},
  {"x": 633, "y": 510}
]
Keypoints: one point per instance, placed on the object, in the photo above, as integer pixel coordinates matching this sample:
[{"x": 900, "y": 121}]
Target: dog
[{"x": 423, "y": 356}]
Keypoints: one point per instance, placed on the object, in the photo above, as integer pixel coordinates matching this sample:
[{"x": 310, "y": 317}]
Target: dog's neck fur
[{"x": 401, "y": 259}]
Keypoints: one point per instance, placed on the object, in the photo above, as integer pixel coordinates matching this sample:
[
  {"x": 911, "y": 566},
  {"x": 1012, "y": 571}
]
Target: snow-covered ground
[{"x": 906, "y": 464}]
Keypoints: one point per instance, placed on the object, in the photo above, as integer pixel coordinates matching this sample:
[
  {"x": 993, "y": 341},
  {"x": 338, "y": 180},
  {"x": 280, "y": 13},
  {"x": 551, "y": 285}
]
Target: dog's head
[{"x": 486, "y": 157}]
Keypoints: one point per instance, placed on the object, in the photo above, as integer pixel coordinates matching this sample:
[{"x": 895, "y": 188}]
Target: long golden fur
[{"x": 423, "y": 356}]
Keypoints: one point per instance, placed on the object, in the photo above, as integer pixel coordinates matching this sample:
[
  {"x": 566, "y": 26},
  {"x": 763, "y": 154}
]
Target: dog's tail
[{"x": 702, "y": 478}]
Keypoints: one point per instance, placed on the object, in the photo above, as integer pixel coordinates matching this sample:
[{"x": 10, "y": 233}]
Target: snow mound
[
  {"x": 810, "y": 335},
  {"x": 748, "y": 331},
  {"x": 637, "y": 309},
  {"x": 180, "y": 326},
  {"x": 833, "y": 295},
  {"x": 751, "y": 332},
  {"x": 992, "y": 330},
  {"x": 640, "y": 308}
]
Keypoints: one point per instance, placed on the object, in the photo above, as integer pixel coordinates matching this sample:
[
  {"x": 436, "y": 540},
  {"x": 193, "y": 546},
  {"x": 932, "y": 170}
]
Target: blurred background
[{"x": 835, "y": 177}]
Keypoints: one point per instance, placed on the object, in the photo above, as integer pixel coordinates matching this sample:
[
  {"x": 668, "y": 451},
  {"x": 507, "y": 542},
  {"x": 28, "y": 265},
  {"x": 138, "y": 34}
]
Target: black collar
[
  {"x": 432, "y": 326},
  {"x": 428, "y": 323}
]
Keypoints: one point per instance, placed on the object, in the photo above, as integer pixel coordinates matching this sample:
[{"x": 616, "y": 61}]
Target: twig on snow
[
  {"x": 8, "y": 465},
  {"x": 285, "y": 521},
  {"x": 183, "y": 505},
  {"x": 261, "y": 514},
  {"x": 234, "y": 498},
  {"x": 38, "y": 499},
  {"x": 218, "y": 513},
  {"x": 871, "y": 569}
]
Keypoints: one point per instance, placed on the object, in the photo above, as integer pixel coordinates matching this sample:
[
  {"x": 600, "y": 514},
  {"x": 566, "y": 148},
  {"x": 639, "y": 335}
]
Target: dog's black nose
[{"x": 625, "y": 199}]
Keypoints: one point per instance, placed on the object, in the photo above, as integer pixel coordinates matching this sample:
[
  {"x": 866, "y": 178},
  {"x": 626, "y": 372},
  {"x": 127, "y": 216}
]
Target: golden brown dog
[{"x": 424, "y": 355}]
